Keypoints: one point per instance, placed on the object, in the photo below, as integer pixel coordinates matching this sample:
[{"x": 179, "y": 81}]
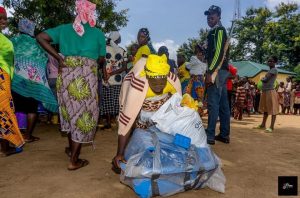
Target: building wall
[{"x": 280, "y": 77}]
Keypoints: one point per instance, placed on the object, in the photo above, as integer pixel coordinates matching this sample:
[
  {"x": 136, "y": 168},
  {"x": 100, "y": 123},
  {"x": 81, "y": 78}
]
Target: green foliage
[
  {"x": 187, "y": 49},
  {"x": 250, "y": 35},
  {"x": 48, "y": 14},
  {"x": 86, "y": 123},
  {"x": 297, "y": 71},
  {"x": 262, "y": 33}
]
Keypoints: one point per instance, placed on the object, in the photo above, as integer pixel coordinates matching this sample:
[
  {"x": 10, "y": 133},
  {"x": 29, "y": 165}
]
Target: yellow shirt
[
  {"x": 168, "y": 89},
  {"x": 184, "y": 74},
  {"x": 144, "y": 50}
]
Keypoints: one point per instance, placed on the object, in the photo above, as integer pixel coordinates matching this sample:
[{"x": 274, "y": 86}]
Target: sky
[{"x": 172, "y": 22}]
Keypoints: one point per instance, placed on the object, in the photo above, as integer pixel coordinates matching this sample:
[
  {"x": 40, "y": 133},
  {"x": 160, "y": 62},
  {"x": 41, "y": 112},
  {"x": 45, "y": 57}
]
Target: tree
[
  {"x": 262, "y": 33},
  {"x": 47, "y": 14},
  {"x": 297, "y": 71},
  {"x": 187, "y": 49},
  {"x": 249, "y": 34},
  {"x": 283, "y": 35}
]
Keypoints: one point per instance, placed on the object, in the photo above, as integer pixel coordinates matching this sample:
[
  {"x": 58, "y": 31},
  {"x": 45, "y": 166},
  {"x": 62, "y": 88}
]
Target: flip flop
[
  {"x": 32, "y": 139},
  {"x": 259, "y": 127},
  {"x": 82, "y": 163},
  {"x": 269, "y": 130}
]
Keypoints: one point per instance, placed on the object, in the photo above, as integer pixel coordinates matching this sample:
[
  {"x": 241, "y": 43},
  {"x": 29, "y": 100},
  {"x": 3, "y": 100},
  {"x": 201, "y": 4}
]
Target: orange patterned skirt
[{"x": 9, "y": 129}]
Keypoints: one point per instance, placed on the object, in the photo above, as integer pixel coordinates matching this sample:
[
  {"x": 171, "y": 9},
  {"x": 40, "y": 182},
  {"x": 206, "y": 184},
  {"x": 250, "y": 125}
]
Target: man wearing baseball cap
[{"x": 216, "y": 77}]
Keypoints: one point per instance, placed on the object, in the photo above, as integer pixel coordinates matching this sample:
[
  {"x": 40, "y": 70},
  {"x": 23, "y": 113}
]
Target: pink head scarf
[{"x": 85, "y": 13}]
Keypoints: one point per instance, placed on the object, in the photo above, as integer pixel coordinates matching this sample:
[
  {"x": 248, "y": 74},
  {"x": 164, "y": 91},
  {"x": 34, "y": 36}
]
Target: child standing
[
  {"x": 286, "y": 101},
  {"x": 197, "y": 68},
  {"x": 240, "y": 100},
  {"x": 280, "y": 95},
  {"x": 297, "y": 100},
  {"x": 133, "y": 50},
  {"x": 269, "y": 99}
]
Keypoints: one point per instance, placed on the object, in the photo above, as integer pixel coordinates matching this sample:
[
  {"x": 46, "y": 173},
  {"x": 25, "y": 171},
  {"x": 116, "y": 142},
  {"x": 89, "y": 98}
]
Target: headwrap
[
  {"x": 113, "y": 37},
  {"x": 2, "y": 10},
  {"x": 156, "y": 66},
  {"x": 85, "y": 13},
  {"x": 163, "y": 50},
  {"x": 26, "y": 26},
  {"x": 194, "y": 62},
  {"x": 146, "y": 32}
]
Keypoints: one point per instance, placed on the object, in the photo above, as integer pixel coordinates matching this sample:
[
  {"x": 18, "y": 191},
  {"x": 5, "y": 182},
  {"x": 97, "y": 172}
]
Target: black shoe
[
  {"x": 211, "y": 142},
  {"x": 221, "y": 139}
]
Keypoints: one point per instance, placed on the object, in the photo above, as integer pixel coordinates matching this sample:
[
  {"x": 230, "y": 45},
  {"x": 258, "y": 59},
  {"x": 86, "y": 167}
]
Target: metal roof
[{"x": 251, "y": 69}]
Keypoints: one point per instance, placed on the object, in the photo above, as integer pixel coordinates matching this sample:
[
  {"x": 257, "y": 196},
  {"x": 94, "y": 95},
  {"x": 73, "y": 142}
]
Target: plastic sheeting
[
  {"x": 172, "y": 118},
  {"x": 155, "y": 166}
]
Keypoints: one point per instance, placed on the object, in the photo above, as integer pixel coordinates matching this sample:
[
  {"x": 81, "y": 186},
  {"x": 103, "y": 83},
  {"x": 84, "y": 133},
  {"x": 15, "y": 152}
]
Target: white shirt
[{"x": 196, "y": 66}]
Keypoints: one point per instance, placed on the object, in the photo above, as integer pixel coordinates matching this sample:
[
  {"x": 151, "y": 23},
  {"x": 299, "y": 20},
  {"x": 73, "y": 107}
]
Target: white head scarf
[{"x": 114, "y": 36}]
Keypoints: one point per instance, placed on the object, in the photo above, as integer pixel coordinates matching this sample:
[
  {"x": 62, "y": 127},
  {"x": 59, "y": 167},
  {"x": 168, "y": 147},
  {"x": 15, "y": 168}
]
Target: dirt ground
[{"x": 252, "y": 163}]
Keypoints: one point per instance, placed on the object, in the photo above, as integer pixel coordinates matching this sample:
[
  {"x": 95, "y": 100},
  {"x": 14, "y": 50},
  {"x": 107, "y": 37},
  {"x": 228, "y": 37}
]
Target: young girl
[
  {"x": 240, "y": 100},
  {"x": 269, "y": 99},
  {"x": 286, "y": 101},
  {"x": 197, "y": 69},
  {"x": 297, "y": 100},
  {"x": 280, "y": 95}
]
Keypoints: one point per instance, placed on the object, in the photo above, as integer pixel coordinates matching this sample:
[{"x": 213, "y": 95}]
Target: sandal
[
  {"x": 80, "y": 164},
  {"x": 269, "y": 130},
  {"x": 115, "y": 169},
  {"x": 32, "y": 139},
  {"x": 259, "y": 127},
  {"x": 12, "y": 152}
]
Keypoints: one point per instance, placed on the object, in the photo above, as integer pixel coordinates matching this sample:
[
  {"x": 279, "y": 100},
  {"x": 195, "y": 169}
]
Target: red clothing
[{"x": 233, "y": 72}]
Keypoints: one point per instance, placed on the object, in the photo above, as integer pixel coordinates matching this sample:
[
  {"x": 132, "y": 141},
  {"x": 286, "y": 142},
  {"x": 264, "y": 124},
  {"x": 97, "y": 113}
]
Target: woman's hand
[
  {"x": 106, "y": 76},
  {"x": 62, "y": 64},
  {"x": 117, "y": 159}
]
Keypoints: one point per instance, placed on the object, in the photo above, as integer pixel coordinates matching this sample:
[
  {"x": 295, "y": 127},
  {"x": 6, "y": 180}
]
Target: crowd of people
[
  {"x": 78, "y": 74},
  {"x": 244, "y": 95}
]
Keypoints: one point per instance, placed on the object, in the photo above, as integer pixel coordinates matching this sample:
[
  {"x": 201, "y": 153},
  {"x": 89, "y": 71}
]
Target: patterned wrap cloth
[
  {"x": 30, "y": 79},
  {"x": 9, "y": 129},
  {"x": 77, "y": 92}
]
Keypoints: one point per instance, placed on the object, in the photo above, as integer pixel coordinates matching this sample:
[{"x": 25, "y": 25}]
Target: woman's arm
[
  {"x": 123, "y": 68},
  {"x": 122, "y": 142},
  {"x": 44, "y": 40}
]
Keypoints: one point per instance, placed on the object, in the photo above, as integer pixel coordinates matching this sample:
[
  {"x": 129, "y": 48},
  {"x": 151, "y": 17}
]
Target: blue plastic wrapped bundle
[{"x": 156, "y": 166}]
